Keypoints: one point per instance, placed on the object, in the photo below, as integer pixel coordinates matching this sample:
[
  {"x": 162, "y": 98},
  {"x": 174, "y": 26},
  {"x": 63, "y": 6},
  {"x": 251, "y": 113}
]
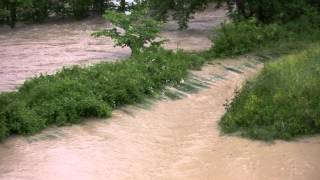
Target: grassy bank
[
  {"x": 267, "y": 41},
  {"x": 283, "y": 102},
  {"x": 77, "y": 93}
]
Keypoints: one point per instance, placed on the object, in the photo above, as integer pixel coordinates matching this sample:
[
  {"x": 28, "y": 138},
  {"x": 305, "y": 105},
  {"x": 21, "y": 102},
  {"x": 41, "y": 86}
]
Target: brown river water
[
  {"x": 167, "y": 139},
  {"x": 30, "y": 50}
]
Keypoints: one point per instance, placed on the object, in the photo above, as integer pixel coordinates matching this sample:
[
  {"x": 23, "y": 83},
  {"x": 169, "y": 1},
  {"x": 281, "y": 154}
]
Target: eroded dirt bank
[
  {"x": 30, "y": 50},
  {"x": 169, "y": 140}
]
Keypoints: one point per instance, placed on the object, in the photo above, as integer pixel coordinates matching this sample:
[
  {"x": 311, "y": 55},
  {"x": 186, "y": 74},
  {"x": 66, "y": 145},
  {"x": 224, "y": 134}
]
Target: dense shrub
[
  {"x": 39, "y": 11},
  {"x": 283, "y": 102},
  {"x": 247, "y": 36},
  {"x": 76, "y": 93},
  {"x": 244, "y": 36},
  {"x": 270, "y": 11},
  {"x": 80, "y": 8},
  {"x": 21, "y": 119},
  {"x": 181, "y": 10},
  {"x": 3, "y": 13},
  {"x": 3, "y": 127}
]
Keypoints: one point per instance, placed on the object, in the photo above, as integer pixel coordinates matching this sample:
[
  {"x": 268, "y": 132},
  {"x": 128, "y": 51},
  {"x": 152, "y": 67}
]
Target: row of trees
[
  {"x": 268, "y": 11},
  {"x": 265, "y": 11},
  {"x": 181, "y": 10},
  {"x": 39, "y": 11}
]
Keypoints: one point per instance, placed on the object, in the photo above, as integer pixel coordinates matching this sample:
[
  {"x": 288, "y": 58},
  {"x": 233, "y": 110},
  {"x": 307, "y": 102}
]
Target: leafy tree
[
  {"x": 80, "y": 8},
  {"x": 140, "y": 30},
  {"x": 101, "y": 5},
  {"x": 4, "y": 13},
  {"x": 267, "y": 11},
  {"x": 182, "y": 9},
  {"x": 39, "y": 10},
  {"x": 10, "y": 9},
  {"x": 123, "y": 6},
  {"x": 58, "y": 8}
]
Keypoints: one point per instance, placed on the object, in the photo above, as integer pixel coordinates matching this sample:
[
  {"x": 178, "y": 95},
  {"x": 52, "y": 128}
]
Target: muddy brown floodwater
[
  {"x": 30, "y": 50},
  {"x": 166, "y": 140}
]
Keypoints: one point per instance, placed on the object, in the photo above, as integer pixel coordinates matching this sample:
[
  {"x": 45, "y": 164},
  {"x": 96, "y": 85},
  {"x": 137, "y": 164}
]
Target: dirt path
[{"x": 168, "y": 140}]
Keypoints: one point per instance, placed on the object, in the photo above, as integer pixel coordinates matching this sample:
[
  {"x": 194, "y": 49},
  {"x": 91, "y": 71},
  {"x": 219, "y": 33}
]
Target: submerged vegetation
[{"x": 77, "y": 93}]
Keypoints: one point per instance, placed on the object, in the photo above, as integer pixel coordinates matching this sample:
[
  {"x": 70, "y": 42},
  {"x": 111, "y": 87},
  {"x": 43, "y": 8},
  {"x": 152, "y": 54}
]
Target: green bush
[
  {"x": 270, "y": 11},
  {"x": 22, "y": 120},
  {"x": 40, "y": 10},
  {"x": 247, "y": 36},
  {"x": 80, "y": 8},
  {"x": 3, "y": 13},
  {"x": 3, "y": 127},
  {"x": 140, "y": 30},
  {"x": 282, "y": 103},
  {"x": 244, "y": 36},
  {"x": 77, "y": 93}
]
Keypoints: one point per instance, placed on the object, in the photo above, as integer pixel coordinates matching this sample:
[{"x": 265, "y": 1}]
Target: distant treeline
[
  {"x": 264, "y": 11},
  {"x": 39, "y": 11}
]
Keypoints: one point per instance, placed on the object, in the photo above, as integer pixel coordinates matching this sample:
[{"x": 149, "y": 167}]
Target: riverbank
[
  {"x": 30, "y": 50},
  {"x": 168, "y": 140}
]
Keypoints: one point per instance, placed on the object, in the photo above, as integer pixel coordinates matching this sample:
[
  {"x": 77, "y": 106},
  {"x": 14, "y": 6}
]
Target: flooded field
[
  {"x": 30, "y": 50},
  {"x": 167, "y": 140}
]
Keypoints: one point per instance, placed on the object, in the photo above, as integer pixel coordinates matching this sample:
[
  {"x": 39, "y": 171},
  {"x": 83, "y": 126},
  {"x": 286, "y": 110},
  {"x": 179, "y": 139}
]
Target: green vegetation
[
  {"x": 76, "y": 93},
  {"x": 39, "y": 11},
  {"x": 264, "y": 11},
  {"x": 140, "y": 30},
  {"x": 270, "y": 11},
  {"x": 3, "y": 13},
  {"x": 249, "y": 36},
  {"x": 282, "y": 103},
  {"x": 244, "y": 36},
  {"x": 182, "y": 9}
]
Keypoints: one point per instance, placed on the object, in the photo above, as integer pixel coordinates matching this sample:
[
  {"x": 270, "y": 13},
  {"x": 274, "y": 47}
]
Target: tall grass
[
  {"x": 77, "y": 93},
  {"x": 283, "y": 102}
]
